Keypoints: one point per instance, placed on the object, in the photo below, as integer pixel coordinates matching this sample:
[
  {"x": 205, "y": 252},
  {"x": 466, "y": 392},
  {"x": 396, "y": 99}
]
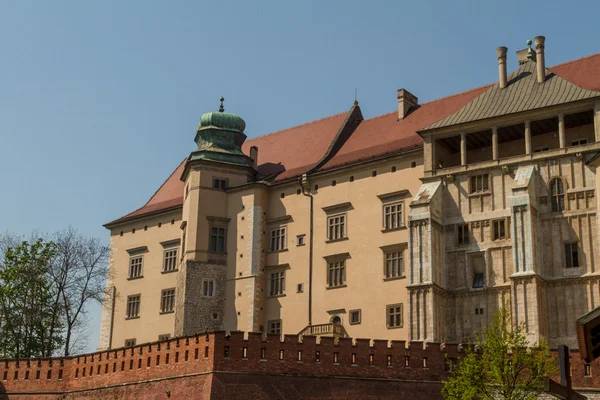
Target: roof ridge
[
  {"x": 575, "y": 60},
  {"x": 163, "y": 184},
  {"x": 298, "y": 126}
]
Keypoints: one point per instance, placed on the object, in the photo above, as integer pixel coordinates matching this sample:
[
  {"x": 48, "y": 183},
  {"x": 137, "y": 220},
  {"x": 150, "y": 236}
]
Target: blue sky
[{"x": 99, "y": 100}]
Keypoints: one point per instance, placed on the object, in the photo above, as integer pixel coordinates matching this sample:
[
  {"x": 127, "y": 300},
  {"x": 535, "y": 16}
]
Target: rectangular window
[
  {"x": 394, "y": 264},
  {"x": 540, "y": 149},
  {"x": 300, "y": 288},
  {"x": 336, "y": 273},
  {"x": 300, "y": 240},
  {"x": 462, "y": 234},
  {"x": 135, "y": 266},
  {"x": 164, "y": 337},
  {"x": 217, "y": 240},
  {"x": 274, "y": 326},
  {"x": 499, "y": 229},
  {"x": 578, "y": 142},
  {"x": 479, "y": 183},
  {"x": 277, "y": 283},
  {"x": 133, "y": 306},
  {"x": 129, "y": 342},
  {"x": 219, "y": 183},
  {"x": 208, "y": 287},
  {"x": 278, "y": 237},
  {"x": 478, "y": 280},
  {"x": 355, "y": 317},
  {"x": 167, "y": 300},
  {"x": 170, "y": 260},
  {"x": 392, "y": 216},
  {"x": 336, "y": 227},
  {"x": 572, "y": 255},
  {"x": 394, "y": 316}
]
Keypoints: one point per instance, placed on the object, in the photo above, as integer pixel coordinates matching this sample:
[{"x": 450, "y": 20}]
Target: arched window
[{"x": 557, "y": 191}]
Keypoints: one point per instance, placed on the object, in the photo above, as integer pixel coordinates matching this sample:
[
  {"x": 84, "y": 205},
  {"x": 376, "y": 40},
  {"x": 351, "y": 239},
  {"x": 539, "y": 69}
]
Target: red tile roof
[{"x": 293, "y": 151}]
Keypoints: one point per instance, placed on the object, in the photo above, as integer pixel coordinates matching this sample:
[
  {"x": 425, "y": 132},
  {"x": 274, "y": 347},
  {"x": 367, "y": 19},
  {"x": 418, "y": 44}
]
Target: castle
[{"x": 415, "y": 225}]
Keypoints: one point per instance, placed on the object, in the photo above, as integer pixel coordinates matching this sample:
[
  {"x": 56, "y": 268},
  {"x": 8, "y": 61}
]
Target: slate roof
[
  {"x": 523, "y": 93},
  {"x": 289, "y": 153}
]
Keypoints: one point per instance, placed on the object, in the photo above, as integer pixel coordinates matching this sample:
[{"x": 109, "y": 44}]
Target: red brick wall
[{"x": 259, "y": 364}]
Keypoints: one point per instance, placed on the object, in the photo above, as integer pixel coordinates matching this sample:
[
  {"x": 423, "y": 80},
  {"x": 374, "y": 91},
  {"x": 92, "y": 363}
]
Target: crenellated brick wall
[{"x": 188, "y": 362}]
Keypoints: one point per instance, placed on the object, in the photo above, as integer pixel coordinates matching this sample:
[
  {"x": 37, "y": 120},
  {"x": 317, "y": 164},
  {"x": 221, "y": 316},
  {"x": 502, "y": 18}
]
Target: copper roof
[
  {"x": 291, "y": 152},
  {"x": 523, "y": 93}
]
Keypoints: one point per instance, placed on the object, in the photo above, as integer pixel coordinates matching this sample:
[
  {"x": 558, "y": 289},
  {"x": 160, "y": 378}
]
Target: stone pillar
[
  {"x": 561, "y": 131},
  {"x": 597, "y": 121},
  {"x": 463, "y": 149},
  {"x": 527, "y": 137},
  {"x": 502, "y": 66},
  {"x": 495, "y": 143},
  {"x": 540, "y": 58},
  {"x": 429, "y": 153}
]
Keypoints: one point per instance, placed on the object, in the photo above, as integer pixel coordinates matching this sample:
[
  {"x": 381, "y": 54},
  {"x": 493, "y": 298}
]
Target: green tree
[
  {"x": 27, "y": 310},
  {"x": 504, "y": 367}
]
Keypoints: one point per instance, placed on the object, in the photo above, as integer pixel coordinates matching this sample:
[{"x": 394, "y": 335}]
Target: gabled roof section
[{"x": 523, "y": 93}]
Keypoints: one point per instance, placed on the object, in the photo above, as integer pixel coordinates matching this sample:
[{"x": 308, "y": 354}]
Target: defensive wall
[{"x": 254, "y": 366}]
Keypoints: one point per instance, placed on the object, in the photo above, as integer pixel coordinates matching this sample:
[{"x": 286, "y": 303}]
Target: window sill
[
  {"x": 170, "y": 271},
  {"x": 167, "y": 312},
  {"x": 135, "y": 277},
  {"x": 276, "y": 296},
  {"x": 128, "y": 318},
  {"x": 300, "y": 245},
  {"x": 354, "y": 323},
  {"x": 336, "y": 287},
  {"x": 394, "y": 278},
  {"x": 400, "y": 228},
  {"x": 396, "y": 327},
  {"x": 481, "y": 194},
  {"x": 277, "y": 251},
  {"x": 336, "y": 240}
]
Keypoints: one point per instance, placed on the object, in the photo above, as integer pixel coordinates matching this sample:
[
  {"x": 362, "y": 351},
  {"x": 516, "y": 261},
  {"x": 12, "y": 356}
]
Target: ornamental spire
[{"x": 222, "y": 107}]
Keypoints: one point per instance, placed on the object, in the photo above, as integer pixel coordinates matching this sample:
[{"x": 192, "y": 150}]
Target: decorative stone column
[
  {"x": 527, "y": 137},
  {"x": 561, "y": 131},
  {"x": 463, "y": 149},
  {"x": 495, "y": 143}
]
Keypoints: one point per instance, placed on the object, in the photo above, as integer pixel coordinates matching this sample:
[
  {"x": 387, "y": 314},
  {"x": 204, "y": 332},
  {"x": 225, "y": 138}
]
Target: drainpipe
[{"x": 302, "y": 181}]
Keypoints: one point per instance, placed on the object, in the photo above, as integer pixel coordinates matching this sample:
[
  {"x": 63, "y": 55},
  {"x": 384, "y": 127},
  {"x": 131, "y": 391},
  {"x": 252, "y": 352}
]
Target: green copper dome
[{"x": 222, "y": 120}]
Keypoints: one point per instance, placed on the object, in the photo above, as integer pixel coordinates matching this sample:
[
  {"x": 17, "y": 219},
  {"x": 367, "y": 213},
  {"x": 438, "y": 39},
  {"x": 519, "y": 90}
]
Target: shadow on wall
[{"x": 3, "y": 395}]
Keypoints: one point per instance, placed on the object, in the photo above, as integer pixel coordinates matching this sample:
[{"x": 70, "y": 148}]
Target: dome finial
[
  {"x": 222, "y": 108},
  {"x": 529, "y": 51}
]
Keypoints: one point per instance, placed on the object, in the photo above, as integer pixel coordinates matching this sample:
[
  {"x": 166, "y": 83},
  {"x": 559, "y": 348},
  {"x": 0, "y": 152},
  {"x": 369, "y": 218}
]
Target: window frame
[
  {"x": 279, "y": 237},
  {"x": 217, "y": 249},
  {"x": 578, "y": 141},
  {"x": 217, "y": 183},
  {"x": 279, "y": 280},
  {"x": 460, "y": 232},
  {"x": 476, "y": 180},
  {"x": 400, "y": 314},
  {"x": 359, "y": 320},
  {"x": 342, "y": 224},
  {"x": 170, "y": 259},
  {"x": 273, "y": 322},
  {"x": 335, "y": 268},
  {"x": 163, "y": 299},
  {"x": 300, "y": 240},
  {"x": 132, "y": 258},
  {"x": 206, "y": 285},
  {"x": 399, "y": 215},
  {"x": 572, "y": 248},
  {"x": 130, "y": 343},
  {"x": 558, "y": 206},
  {"x": 506, "y": 227},
  {"x": 130, "y": 299}
]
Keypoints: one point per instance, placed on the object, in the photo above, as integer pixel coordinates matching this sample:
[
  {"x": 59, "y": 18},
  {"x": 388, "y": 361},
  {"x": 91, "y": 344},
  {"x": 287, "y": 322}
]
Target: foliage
[
  {"x": 26, "y": 308},
  {"x": 505, "y": 367}
]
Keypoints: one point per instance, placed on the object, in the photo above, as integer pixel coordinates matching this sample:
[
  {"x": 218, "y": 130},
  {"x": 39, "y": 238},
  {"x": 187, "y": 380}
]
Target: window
[
  {"x": 578, "y": 142},
  {"x": 462, "y": 234},
  {"x": 300, "y": 240},
  {"x": 540, "y": 149},
  {"x": 587, "y": 370},
  {"x": 394, "y": 316},
  {"x": 477, "y": 264},
  {"x": 163, "y": 337},
  {"x": 278, "y": 239},
  {"x": 300, "y": 288},
  {"x": 277, "y": 283},
  {"x": 478, "y": 280},
  {"x": 336, "y": 227},
  {"x": 572, "y": 255},
  {"x": 355, "y": 317},
  {"x": 219, "y": 183},
  {"x": 167, "y": 300},
  {"x": 479, "y": 311},
  {"x": 275, "y": 326},
  {"x": 135, "y": 266},
  {"x": 392, "y": 216},
  {"x": 499, "y": 229},
  {"x": 208, "y": 287},
  {"x": 394, "y": 264},
  {"x": 337, "y": 273},
  {"x": 170, "y": 260},
  {"x": 129, "y": 342},
  {"x": 133, "y": 306},
  {"x": 479, "y": 183},
  {"x": 557, "y": 191},
  {"x": 217, "y": 240}
]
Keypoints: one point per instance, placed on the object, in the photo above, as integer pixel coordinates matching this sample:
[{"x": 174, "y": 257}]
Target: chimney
[
  {"x": 502, "y": 66},
  {"x": 254, "y": 156},
  {"x": 406, "y": 101},
  {"x": 526, "y": 54},
  {"x": 540, "y": 58}
]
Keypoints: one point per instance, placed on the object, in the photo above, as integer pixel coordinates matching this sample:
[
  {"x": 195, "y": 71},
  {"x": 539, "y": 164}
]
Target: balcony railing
[{"x": 329, "y": 329}]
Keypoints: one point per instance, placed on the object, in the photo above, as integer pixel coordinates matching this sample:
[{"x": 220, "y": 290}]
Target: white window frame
[
  {"x": 340, "y": 221},
  {"x": 276, "y": 283},
  {"x": 391, "y": 271},
  {"x": 170, "y": 302},
  {"x": 336, "y": 273},
  {"x": 170, "y": 258},
  {"x": 206, "y": 287},
  {"x": 132, "y": 310},
  {"x": 393, "y": 218},
  {"x": 138, "y": 266},
  {"x": 278, "y": 238}
]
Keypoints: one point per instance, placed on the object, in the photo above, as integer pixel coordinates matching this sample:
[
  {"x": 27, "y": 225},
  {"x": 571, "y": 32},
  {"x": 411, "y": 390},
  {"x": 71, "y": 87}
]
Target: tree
[
  {"x": 505, "y": 367},
  {"x": 79, "y": 269},
  {"x": 26, "y": 308}
]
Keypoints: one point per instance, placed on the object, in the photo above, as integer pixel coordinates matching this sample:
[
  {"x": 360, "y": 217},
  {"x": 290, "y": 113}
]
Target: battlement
[{"x": 238, "y": 352}]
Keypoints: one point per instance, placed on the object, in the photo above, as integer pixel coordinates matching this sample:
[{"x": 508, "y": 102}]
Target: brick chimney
[
  {"x": 254, "y": 156},
  {"x": 406, "y": 101},
  {"x": 502, "y": 66},
  {"x": 540, "y": 58}
]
